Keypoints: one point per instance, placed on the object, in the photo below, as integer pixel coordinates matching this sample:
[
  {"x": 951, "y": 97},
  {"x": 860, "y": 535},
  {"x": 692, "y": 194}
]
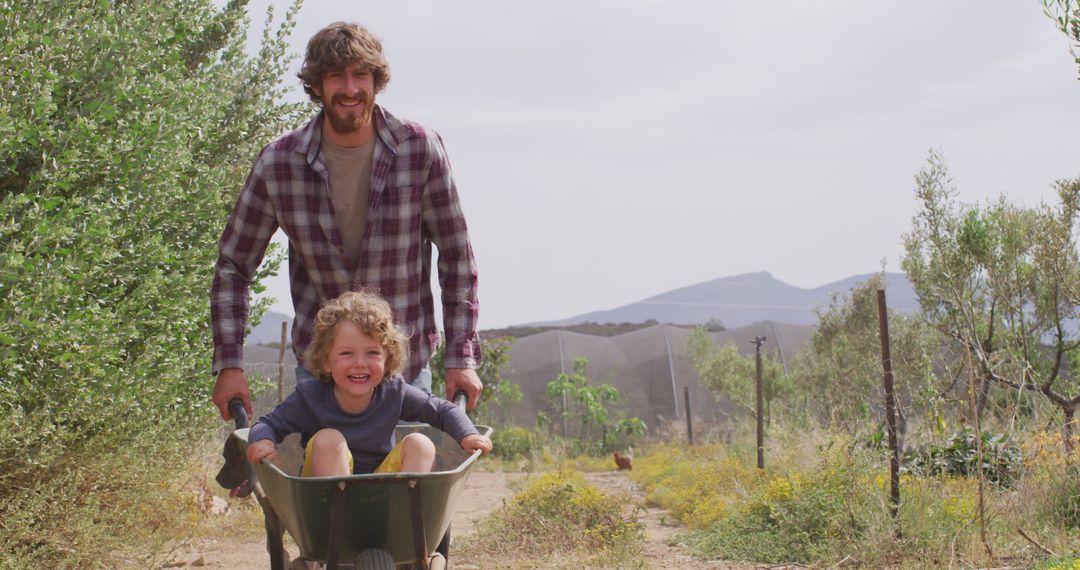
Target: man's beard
[{"x": 352, "y": 121}]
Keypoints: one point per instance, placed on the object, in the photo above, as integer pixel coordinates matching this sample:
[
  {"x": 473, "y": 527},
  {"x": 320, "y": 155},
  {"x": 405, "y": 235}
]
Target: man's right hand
[{"x": 230, "y": 384}]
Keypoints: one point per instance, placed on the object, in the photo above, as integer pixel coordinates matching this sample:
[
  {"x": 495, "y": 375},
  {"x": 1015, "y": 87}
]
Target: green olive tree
[
  {"x": 1066, "y": 16},
  {"x": 588, "y": 410},
  {"x": 495, "y": 406},
  {"x": 1000, "y": 282},
  {"x": 839, "y": 372},
  {"x": 126, "y": 130}
]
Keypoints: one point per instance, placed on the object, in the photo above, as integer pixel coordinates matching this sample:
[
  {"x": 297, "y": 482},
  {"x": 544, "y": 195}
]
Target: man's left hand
[{"x": 463, "y": 379}]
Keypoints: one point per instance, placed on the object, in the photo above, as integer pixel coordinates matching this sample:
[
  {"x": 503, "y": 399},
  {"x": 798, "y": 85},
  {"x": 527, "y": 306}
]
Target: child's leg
[
  {"x": 417, "y": 453},
  {"x": 330, "y": 455}
]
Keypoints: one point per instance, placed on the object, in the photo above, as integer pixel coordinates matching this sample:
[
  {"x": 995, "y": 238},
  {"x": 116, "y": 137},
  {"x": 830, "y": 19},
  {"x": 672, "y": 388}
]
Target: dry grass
[
  {"x": 564, "y": 521},
  {"x": 823, "y": 499}
]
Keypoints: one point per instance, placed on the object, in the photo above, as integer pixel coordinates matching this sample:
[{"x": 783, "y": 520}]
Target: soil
[{"x": 486, "y": 492}]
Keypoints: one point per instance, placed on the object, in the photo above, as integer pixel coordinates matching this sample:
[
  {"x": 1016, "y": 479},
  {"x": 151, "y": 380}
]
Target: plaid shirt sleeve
[
  {"x": 444, "y": 222},
  {"x": 250, "y": 226}
]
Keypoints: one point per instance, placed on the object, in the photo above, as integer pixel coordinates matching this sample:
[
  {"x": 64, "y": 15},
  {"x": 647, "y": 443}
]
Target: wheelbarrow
[{"x": 370, "y": 521}]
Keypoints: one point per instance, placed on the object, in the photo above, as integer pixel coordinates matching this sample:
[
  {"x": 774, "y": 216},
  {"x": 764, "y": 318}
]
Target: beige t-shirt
[{"x": 349, "y": 169}]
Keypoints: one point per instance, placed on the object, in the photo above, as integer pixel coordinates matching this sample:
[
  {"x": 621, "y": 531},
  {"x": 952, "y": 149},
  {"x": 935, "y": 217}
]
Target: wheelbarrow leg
[
  {"x": 419, "y": 538},
  {"x": 337, "y": 523}
]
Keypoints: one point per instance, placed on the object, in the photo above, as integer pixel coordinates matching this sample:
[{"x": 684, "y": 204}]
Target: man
[{"x": 362, "y": 196}]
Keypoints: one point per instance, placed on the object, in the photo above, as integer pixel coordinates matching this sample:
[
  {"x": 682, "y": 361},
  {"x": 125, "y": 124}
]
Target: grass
[
  {"x": 562, "y": 520},
  {"x": 1060, "y": 563},
  {"x": 823, "y": 500},
  {"x": 100, "y": 506},
  {"x": 533, "y": 456},
  {"x": 122, "y": 500}
]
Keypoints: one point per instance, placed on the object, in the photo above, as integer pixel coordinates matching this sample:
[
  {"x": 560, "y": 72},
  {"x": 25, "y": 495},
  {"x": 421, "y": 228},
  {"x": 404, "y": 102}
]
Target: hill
[
  {"x": 741, "y": 300},
  {"x": 268, "y": 330},
  {"x": 732, "y": 302}
]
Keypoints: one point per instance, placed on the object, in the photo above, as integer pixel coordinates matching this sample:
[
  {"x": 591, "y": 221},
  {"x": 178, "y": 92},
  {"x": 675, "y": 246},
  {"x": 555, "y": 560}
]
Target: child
[{"x": 346, "y": 419}]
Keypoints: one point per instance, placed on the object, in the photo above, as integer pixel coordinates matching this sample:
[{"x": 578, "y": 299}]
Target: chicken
[{"x": 625, "y": 461}]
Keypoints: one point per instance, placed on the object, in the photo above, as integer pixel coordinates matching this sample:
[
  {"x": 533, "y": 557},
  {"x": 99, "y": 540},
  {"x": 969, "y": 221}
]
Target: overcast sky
[{"x": 607, "y": 151}]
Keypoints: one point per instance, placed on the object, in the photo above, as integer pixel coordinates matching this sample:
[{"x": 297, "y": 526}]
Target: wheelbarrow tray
[{"x": 404, "y": 514}]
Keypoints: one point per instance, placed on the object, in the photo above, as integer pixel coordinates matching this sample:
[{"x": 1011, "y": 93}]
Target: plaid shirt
[{"x": 413, "y": 203}]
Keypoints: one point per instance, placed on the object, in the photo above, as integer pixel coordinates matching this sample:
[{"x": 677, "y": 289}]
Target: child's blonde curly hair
[{"x": 374, "y": 317}]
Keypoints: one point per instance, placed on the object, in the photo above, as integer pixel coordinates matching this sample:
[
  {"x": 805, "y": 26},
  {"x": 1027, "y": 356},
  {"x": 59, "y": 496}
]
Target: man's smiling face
[{"x": 348, "y": 97}]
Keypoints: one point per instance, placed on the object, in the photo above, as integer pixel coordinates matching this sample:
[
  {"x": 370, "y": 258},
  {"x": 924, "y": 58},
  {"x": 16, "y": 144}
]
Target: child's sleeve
[{"x": 284, "y": 419}]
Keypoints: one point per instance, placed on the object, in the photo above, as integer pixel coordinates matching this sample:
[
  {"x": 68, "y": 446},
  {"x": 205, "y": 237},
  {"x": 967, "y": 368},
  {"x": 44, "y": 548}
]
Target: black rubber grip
[{"x": 239, "y": 414}]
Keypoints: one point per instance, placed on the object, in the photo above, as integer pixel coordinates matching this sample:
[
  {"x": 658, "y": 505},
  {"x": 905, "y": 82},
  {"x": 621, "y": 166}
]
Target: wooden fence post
[
  {"x": 890, "y": 412},
  {"x": 760, "y": 390},
  {"x": 281, "y": 362}
]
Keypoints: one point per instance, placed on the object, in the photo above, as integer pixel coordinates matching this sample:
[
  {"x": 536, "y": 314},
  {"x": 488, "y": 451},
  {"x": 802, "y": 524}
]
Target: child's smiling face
[{"x": 356, "y": 362}]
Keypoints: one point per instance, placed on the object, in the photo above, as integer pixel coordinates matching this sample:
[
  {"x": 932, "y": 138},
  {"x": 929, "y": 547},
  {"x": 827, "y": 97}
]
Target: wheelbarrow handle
[
  {"x": 239, "y": 414},
  {"x": 460, "y": 399}
]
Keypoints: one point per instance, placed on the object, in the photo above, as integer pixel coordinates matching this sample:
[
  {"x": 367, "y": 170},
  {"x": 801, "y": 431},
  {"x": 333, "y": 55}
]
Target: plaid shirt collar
[{"x": 309, "y": 143}]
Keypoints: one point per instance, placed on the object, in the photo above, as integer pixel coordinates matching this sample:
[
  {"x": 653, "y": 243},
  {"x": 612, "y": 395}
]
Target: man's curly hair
[
  {"x": 372, "y": 315},
  {"x": 337, "y": 46}
]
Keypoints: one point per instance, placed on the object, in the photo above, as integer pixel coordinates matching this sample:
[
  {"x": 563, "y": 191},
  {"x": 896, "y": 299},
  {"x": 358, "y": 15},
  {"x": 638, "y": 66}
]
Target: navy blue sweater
[{"x": 370, "y": 434}]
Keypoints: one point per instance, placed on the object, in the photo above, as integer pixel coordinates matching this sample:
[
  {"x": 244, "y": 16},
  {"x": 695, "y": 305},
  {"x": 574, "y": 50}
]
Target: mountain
[
  {"x": 735, "y": 301},
  {"x": 269, "y": 329},
  {"x": 744, "y": 299}
]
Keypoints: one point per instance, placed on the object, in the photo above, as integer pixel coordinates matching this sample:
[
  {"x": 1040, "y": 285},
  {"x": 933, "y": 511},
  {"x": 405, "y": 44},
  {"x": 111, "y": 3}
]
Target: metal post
[
  {"x": 562, "y": 371},
  {"x": 890, "y": 409},
  {"x": 689, "y": 422},
  {"x": 671, "y": 370},
  {"x": 281, "y": 362},
  {"x": 757, "y": 341}
]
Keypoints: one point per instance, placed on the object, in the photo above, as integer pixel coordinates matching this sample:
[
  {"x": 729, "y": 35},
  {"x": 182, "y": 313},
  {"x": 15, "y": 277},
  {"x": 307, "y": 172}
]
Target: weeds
[
  {"x": 552, "y": 455},
  {"x": 513, "y": 443},
  {"x": 98, "y": 505},
  {"x": 958, "y": 457},
  {"x": 559, "y": 515},
  {"x": 1064, "y": 563},
  {"x": 823, "y": 499}
]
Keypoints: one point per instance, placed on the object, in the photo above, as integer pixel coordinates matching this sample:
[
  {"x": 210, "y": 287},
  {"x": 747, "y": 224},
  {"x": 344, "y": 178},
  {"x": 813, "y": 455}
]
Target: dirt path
[
  {"x": 660, "y": 551},
  {"x": 246, "y": 549}
]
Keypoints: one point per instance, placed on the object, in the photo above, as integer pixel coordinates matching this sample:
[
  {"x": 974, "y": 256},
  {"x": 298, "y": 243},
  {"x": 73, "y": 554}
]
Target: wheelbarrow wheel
[
  {"x": 437, "y": 562},
  {"x": 374, "y": 559},
  {"x": 434, "y": 562}
]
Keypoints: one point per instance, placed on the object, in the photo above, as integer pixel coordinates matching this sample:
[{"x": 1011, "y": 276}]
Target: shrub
[
  {"x": 588, "y": 413},
  {"x": 823, "y": 500},
  {"x": 513, "y": 442},
  {"x": 698, "y": 486},
  {"x": 785, "y": 518},
  {"x": 499, "y": 396},
  {"x": 126, "y": 129},
  {"x": 560, "y": 512},
  {"x": 1060, "y": 563},
  {"x": 959, "y": 457},
  {"x": 736, "y": 511},
  {"x": 105, "y": 505},
  {"x": 1052, "y": 482},
  {"x": 1066, "y": 504}
]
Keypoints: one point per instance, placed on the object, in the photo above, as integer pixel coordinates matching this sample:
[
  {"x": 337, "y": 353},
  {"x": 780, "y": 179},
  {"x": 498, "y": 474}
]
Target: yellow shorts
[{"x": 390, "y": 464}]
